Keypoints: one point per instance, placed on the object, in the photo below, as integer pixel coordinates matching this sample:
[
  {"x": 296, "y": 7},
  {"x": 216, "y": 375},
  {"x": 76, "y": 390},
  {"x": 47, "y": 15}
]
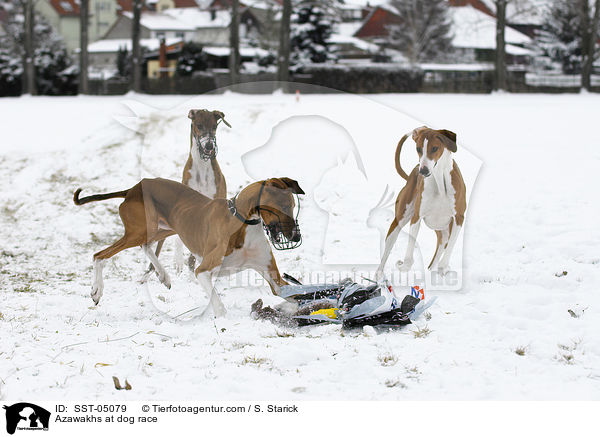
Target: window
[{"x": 179, "y": 35}]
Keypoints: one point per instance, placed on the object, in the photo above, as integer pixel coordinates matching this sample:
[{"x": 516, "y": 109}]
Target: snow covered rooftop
[
  {"x": 113, "y": 45},
  {"x": 160, "y": 21},
  {"x": 474, "y": 29},
  {"x": 247, "y": 52},
  {"x": 361, "y": 44},
  {"x": 347, "y": 29},
  {"x": 197, "y": 18},
  {"x": 364, "y": 3},
  {"x": 523, "y": 11},
  {"x": 183, "y": 19},
  {"x": 458, "y": 67}
]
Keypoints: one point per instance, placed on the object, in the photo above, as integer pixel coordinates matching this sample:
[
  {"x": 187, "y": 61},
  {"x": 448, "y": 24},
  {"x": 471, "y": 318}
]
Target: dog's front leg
[
  {"x": 442, "y": 241},
  {"x": 162, "y": 274},
  {"x": 445, "y": 261},
  {"x": 204, "y": 275},
  {"x": 206, "y": 282},
  {"x": 410, "y": 248},
  {"x": 390, "y": 240},
  {"x": 271, "y": 274}
]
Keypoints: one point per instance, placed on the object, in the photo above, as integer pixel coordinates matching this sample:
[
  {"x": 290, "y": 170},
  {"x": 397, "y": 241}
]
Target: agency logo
[{"x": 26, "y": 416}]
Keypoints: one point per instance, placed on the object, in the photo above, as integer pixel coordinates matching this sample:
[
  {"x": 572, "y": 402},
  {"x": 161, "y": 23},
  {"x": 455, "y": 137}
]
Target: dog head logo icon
[{"x": 26, "y": 416}]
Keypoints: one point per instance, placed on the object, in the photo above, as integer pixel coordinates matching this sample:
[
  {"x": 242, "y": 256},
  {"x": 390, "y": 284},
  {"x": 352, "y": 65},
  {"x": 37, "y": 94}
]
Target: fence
[{"x": 371, "y": 78}]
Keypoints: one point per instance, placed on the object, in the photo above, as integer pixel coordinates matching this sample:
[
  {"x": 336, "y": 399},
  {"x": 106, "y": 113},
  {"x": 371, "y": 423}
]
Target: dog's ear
[
  {"x": 192, "y": 113},
  {"x": 292, "y": 185},
  {"x": 449, "y": 138},
  {"x": 416, "y": 132},
  {"x": 220, "y": 116}
]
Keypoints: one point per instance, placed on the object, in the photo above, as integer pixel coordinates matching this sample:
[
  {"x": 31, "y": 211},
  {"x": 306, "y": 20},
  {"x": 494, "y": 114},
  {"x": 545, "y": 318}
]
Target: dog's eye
[{"x": 435, "y": 149}]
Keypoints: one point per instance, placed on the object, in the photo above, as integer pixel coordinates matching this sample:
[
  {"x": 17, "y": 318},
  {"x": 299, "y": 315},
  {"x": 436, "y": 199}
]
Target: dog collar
[{"x": 233, "y": 209}]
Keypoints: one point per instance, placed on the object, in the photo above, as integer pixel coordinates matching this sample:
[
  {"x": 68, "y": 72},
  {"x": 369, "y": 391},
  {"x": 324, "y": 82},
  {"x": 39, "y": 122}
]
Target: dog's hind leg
[
  {"x": 98, "y": 284},
  {"x": 99, "y": 259},
  {"x": 178, "y": 254},
  {"x": 162, "y": 274}
]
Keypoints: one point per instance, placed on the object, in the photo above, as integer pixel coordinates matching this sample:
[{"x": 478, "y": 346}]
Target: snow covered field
[{"x": 525, "y": 324}]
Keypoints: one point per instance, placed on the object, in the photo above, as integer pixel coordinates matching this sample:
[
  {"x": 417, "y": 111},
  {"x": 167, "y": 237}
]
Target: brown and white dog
[
  {"x": 435, "y": 192},
  {"x": 201, "y": 171},
  {"x": 224, "y": 235}
]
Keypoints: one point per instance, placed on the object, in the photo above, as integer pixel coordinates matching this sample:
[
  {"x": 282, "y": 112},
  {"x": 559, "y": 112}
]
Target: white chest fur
[
  {"x": 255, "y": 253},
  {"x": 437, "y": 201},
  {"x": 202, "y": 175}
]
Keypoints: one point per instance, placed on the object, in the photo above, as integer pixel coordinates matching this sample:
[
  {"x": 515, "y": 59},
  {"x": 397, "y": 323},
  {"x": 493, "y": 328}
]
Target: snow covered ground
[{"x": 525, "y": 325}]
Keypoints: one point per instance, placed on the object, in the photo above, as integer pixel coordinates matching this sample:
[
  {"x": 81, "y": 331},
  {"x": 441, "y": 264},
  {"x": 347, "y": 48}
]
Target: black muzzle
[
  {"x": 278, "y": 231},
  {"x": 207, "y": 147}
]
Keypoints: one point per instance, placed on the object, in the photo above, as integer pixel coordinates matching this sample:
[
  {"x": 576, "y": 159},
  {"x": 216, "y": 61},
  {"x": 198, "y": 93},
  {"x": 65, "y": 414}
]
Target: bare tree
[
  {"x": 589, "y": 39},
  {"x": 136, "y": 53},
  {"x": 83, "y": 46},
  {"x": 283, "y": 57},
  {"x": 29, "y": 69},
  {"x": 424, "y": 30},
  {"x": 234, "y": 42},
  {"x": 500, "y": 60}
]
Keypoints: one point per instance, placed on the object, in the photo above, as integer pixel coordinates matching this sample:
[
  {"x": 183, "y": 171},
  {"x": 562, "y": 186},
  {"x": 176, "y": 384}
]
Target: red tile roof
[
  {"x": 186, "y": 4},
  {"x": 477, "y": 4},
  {"x": 65, "y": 7},
  {"x": 375, "y": 25},
  {"x": 376, "y": 22}
]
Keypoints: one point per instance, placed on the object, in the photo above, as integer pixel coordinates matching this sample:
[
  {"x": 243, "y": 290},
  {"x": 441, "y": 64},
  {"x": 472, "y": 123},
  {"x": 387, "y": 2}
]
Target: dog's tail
[
  {"x": 401, "y": 172},
  {"x": 97, "y": 197}
]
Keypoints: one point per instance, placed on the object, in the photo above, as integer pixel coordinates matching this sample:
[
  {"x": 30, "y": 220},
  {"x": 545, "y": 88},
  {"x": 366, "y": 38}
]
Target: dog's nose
[
  {"x": 424, "y": 171},
  {"x": 296, "y": 236}
]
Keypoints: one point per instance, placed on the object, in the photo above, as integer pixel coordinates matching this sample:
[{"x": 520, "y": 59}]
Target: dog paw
[
  {"x": 165, "y": 280},
  {"x": 96, "y": 293},
  {"x": 145, "y": 277}
]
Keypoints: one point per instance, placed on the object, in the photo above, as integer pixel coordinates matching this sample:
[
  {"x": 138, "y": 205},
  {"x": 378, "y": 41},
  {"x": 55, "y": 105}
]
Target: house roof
[
  {"x": 246, "y": 52},
  {"x": 182, "y": 19},
  {"x": 127, "y": 5},
  {"x": 188, "y": 3},
  {"x": 261, "y": 4},
  {"x": 474, "y": 29},
  {"x": 113, "y": 45},
  {"x": 198, "y": 18},
  {"x": 160, "y": 21},
  {"x": 375, "y": 25},
  {"x": 523, "y": 11},
  {"x": 65, "y": 7},
  {"x": 480, "y": 5}
]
